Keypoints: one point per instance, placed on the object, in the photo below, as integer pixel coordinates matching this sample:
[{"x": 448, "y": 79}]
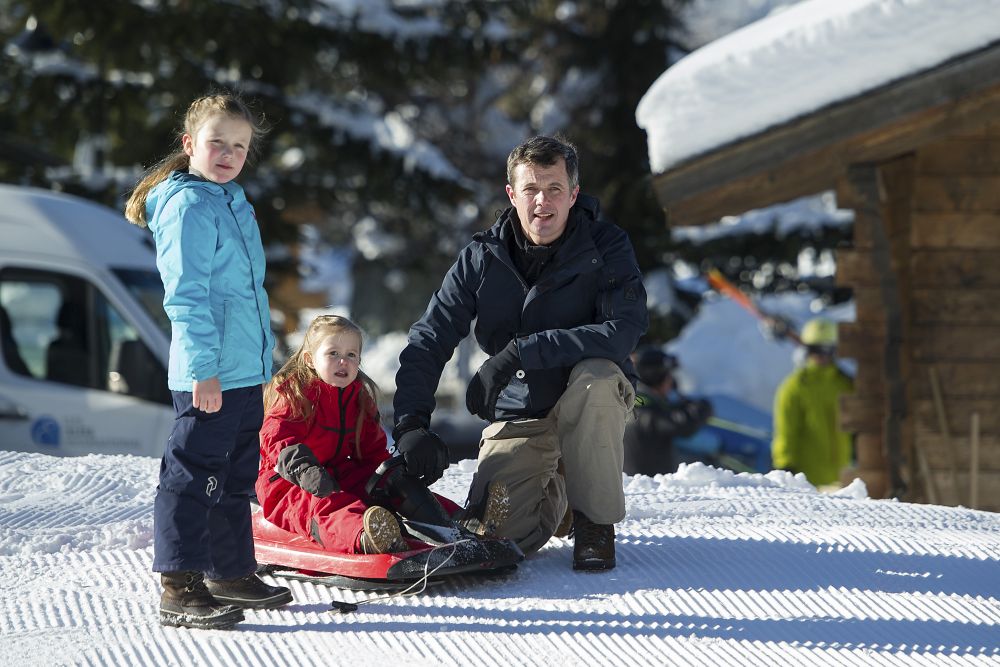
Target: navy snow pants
[{"x": 201, "y": 515}]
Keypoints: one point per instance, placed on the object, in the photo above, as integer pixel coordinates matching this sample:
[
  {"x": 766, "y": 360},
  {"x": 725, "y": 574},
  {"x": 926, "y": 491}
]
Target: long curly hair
[{"x": 287, "y": 388}]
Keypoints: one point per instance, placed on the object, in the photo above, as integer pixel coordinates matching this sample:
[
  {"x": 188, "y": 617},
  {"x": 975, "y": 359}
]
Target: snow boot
[
  {"x": 485, "y": 517},
  {"x": 594, "y": 544},
  {"x": 248, "y": 592},
  {"x": 186, "y": 603},
  {"x": 381, "y": 534}
]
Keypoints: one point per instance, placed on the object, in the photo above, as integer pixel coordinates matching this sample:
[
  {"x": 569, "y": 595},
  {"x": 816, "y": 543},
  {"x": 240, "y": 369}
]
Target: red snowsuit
[{"x": 330, "y": 434}]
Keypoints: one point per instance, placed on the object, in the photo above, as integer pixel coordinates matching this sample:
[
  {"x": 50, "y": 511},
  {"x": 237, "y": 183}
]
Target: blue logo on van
[{"x": 45, "y": 431}]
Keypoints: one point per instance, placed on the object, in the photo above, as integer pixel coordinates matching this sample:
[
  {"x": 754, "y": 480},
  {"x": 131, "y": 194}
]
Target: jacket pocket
[{"x": 226, "y": 354}]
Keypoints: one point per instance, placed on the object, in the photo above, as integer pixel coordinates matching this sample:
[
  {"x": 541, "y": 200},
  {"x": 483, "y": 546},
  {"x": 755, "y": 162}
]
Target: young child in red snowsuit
[{"x": 322, "y": 441}]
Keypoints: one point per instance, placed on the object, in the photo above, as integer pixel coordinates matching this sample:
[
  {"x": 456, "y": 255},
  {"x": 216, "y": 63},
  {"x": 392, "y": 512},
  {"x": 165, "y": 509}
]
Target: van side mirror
[{"x": 138, "y": 373}]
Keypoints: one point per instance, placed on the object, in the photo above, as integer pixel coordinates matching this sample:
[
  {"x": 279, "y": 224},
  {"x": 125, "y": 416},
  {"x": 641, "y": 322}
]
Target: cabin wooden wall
[{"x": 941, "y": 209}]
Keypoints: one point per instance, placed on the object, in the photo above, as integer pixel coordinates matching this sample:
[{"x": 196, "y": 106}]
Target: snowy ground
[{"x": 714, "y": 568}]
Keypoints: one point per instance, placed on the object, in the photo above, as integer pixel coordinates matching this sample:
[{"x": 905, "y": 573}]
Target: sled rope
[{"x": 343, "y": 607}]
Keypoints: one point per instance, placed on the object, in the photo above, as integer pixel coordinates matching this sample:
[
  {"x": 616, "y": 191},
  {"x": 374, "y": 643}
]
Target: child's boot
[
  {"x": 489, "y": 514},
  {"x": 186, "y": 603},
  {"x": 381, "y": 534},
  {"x": 248, "y": 592}
]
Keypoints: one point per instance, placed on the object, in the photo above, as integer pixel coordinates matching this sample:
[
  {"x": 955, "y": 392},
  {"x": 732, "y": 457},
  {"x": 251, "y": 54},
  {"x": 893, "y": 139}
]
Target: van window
[
  {"x": 147, "y": 288},
  {"x": 65, "y": 330}
]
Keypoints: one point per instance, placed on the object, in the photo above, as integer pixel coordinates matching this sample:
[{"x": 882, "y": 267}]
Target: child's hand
[{"x": 206, "y": 395}]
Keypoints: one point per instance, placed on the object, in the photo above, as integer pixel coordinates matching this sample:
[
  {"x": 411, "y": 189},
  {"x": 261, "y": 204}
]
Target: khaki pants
[{"x": 585, "y": 431}]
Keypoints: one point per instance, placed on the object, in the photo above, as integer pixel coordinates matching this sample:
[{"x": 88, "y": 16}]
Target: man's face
[{"x": 542, "y": 197}]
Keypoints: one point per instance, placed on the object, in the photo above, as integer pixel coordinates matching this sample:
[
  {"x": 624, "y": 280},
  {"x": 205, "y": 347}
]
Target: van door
[{"x": 75, "y": 376}]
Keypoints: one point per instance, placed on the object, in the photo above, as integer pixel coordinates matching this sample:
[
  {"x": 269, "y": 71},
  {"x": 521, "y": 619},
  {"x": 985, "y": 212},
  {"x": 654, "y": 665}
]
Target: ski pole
[{"x": 723, "y": 286}]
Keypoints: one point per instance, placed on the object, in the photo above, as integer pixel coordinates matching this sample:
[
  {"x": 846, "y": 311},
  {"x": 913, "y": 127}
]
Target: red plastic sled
[{"x": 282, "y": 550}]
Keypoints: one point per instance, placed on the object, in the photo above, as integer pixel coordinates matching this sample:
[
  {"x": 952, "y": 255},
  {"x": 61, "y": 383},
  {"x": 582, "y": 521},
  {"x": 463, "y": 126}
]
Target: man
[
  {"x": 558, "y": 302},
  {"x": 807, "y": 435},
  {"x": 660, "y": 416}
]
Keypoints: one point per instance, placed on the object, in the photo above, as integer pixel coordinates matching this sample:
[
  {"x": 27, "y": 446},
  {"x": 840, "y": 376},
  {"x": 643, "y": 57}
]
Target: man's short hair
[{"x": 545, "y": 151}]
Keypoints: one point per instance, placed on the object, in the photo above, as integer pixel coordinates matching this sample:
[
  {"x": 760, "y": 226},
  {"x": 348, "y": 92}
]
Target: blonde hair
[
  {"x": 288, "y": 386},
  {"x": 200, "y": 111}
]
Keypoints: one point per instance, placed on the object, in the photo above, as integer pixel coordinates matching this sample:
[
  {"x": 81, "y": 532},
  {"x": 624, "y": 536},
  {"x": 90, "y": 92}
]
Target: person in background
[
  {"x": 661, "y": 414},
  {"x": 559, "y": 304},
  {"x": 807, "y": 434},
  {"x": 211, "y": 260}
]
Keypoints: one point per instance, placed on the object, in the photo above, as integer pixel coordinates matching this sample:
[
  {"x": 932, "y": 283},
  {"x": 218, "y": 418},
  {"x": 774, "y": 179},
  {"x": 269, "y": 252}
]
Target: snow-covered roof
[{"x": 809, "y": 56}]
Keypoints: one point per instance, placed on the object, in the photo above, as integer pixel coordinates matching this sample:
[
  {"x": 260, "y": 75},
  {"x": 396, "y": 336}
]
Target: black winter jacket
[{"x": 589, "y": 302}]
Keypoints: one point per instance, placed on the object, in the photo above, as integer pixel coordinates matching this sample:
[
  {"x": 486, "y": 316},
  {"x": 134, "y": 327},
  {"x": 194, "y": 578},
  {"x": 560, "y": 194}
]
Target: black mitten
[
  {"x": 299, "y": 465},
  {"x": 485, "y": 387},
  {"x": 425, "y": 453}
]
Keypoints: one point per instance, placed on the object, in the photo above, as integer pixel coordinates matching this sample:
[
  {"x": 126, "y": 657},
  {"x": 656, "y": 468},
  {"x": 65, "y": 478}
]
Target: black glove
[
  {"x": 299, "y": 465},
  {"x": 425, "y": 453},
  {"x": 699, "y": 409},
  {"x": 485, "y": 387}
]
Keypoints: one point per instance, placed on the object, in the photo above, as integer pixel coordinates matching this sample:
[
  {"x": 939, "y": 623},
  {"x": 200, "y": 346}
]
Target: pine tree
[{"x": 395, "y": 118}]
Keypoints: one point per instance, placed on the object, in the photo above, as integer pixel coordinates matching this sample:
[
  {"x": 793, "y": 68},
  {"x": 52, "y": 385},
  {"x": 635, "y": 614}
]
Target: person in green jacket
[{"x": 807, "y": 434}]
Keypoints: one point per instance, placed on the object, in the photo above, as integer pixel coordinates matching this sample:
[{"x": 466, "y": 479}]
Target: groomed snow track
[{"x": 713, "y": 569}]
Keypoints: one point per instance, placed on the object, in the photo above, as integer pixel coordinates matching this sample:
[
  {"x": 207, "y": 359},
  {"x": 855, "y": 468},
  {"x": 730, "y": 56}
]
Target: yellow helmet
[{"x": 819, "y": 332}]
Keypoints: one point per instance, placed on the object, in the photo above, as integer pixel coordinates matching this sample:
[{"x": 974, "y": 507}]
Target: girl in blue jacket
[{"x": 211, "y": 261}]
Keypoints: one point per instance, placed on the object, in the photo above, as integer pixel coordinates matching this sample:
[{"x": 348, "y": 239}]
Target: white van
[{"x": 83, "y": 335}]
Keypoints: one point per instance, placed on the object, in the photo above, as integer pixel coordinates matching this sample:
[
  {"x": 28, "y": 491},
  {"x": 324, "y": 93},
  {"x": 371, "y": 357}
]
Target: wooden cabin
[{"x": 918, "y": 160}]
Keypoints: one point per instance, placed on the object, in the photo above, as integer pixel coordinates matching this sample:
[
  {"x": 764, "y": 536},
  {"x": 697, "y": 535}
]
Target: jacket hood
[{"x": 179, "y": 180}]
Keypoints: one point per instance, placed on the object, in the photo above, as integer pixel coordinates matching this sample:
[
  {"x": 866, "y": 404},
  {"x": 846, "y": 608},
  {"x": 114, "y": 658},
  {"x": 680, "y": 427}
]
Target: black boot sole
[
  {"x": 273, "y": 602},
  {"x": 224, "y": 621},
  {"x": 593, "y": 565}
]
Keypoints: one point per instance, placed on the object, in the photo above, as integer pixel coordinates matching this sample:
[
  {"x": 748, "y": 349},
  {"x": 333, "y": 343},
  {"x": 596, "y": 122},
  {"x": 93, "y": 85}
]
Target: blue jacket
[
  {"x": 589, "y": 302},
  {"x": 211, "y": 261}
]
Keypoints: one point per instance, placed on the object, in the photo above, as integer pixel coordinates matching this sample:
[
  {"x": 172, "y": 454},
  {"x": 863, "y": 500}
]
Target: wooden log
[
  {"x": 989, "y": 488},
  {"x": 934, "y": 306},
  {"x": 934, "y": 343},
  {"x": 974, "y": 462},
  {"x": 955, "y": 268},
  {"x": 975, "y": 231},
  {"x": 862, "y": 414},
  {"x": 927, "y": 268},
  {"x": 960, "y": 157},
  {"x": 957, "y": 193},
  {"x": 942, "y": 418},
  {"x": 959, "y": 414},
  {"x": 939, "y": 452},
  {"x": 869, "y": 451},
  {"x": 861, "y": 341},
  {"x": 950, "y": 306}
]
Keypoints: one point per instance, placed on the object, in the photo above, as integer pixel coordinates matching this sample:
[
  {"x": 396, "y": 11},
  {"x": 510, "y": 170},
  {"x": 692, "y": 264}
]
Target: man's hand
[
  {"x": 206, "y": 395},
  {"x": 425, "y": 453},
  {"x": 485, "y": 387}
]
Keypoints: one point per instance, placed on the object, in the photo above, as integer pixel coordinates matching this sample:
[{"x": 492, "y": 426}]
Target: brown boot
[
  {"x": 248, "y": 592},
  {"x": 489, "y": 514},
  {"x": 381, "y": 534},
  {"x": 186, "y": 603},
  {"x": 594, "y": 544}
]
